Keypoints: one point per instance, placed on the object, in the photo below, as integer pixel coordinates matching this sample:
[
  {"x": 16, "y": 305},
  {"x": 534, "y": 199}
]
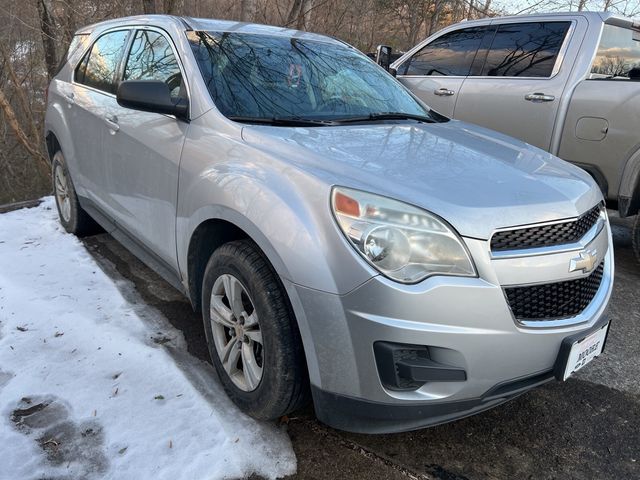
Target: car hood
[{"x": 475, "y": 178}]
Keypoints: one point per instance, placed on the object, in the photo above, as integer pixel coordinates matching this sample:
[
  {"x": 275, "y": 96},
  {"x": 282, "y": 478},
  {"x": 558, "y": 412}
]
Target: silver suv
[{"x": 341, "y": 239}]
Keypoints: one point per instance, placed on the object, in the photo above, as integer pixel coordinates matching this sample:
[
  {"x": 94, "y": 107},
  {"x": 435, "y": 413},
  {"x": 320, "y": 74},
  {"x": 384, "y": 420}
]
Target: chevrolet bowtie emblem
[{"x": 586, "y": 261}]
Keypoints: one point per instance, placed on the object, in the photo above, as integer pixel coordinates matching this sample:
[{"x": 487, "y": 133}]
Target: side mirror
[
  {"x": 151, "y": 96},
  {"x": 383, "y": 56}
]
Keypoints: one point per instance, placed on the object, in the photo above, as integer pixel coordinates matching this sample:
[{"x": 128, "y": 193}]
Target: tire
[
  {"x": 282, "y": 385},
  {"x": 635, "y": 237},
  {"x": 72, "y": 216}
]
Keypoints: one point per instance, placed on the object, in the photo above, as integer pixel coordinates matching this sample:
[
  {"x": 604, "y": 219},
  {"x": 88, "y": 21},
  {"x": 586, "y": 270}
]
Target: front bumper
[
  {"x": 364, "y": 416},
  {"x": 465, "y": 323}
]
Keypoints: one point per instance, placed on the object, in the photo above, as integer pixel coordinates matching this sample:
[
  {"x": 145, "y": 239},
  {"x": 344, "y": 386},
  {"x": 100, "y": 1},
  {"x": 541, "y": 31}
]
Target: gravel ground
[{"x": 588, "y": 427}]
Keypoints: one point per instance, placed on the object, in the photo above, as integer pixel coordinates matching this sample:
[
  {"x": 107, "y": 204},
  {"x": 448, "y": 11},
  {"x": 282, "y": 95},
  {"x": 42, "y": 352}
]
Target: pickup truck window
[
  {"x": 618, "y": 56},
  {"x": 98, "y": 67},
  {"x": 449, "y": 55},
  {"x": 525, "y": 49},
  {"x": 262, "y": 77}
]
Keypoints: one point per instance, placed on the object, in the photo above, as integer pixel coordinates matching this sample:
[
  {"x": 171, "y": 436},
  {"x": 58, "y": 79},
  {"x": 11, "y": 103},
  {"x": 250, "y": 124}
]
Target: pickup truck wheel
[
  {"x": 72, "y": 216},
  {"x": 251, "y": 332},
  {"x": 635, "y": 235}
]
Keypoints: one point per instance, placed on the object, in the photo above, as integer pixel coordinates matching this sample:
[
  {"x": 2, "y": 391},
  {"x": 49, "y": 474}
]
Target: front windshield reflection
[{"x": 265, "y": 77}]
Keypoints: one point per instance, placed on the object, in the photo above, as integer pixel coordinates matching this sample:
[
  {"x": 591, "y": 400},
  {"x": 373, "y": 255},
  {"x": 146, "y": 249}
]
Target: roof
[
  {"x": 595, "y": 17},
  {"x": 211, "y": 25}
]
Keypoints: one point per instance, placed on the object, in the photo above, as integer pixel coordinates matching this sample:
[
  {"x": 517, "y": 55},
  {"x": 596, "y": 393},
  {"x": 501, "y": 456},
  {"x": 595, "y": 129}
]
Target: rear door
[
  {"x": 519, "y": 87},
  {"x": 436, "y": 71},
  {"x": 94, "y": 88},
  {"x": 143, "y": 150}
]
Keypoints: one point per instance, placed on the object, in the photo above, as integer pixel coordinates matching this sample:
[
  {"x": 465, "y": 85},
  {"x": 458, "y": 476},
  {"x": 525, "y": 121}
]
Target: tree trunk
[
  {"x": 300, "y": 14},
  {"x": 247, "y": 10},
  {"x": 172, "y": 7},
  {"x": 47, "y": 31},
  {"x": 18, "y": 132},
  {"x": 69, "y": 27},
  {"x": 435, "y": 16},
  {"x": 487, "y": 7},
  {"x": 148, "y": 6}
]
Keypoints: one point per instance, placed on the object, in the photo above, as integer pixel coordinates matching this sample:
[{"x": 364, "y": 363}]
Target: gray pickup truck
[{"x": 568, "y": 83}]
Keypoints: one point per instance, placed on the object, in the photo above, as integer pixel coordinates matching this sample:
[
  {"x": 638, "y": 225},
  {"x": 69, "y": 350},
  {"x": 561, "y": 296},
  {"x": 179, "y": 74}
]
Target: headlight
[{"x": 403, "y": 242}]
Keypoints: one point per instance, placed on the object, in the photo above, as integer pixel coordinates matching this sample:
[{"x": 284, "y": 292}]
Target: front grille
[
  {"x": 553, "y": 301},
  {"x": 546, "y": 235}
]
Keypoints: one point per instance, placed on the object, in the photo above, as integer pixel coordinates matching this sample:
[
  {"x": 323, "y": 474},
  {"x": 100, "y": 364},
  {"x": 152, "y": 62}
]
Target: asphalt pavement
[{"x": 587, "y": 427}]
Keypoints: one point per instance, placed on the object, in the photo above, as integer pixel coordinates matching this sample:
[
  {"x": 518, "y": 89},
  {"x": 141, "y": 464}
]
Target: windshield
[{"x": 273, "y": 77}]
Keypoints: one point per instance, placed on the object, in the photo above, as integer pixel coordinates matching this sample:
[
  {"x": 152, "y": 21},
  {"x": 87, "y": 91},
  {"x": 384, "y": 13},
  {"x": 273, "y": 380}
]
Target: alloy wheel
[
  {"x": 236, "y": 332},
  {"x": 62, "y": 192}
]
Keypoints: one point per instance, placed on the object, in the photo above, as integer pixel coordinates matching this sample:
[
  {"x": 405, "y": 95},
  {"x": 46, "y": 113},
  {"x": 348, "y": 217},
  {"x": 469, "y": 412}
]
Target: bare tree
[
  {"x": 172, "y": 7},
  {"x": 47, "y": 31},
  {"x": 247, "y": 10},
  {"x": 149, "y": 6},
  {"x": 299, "y": 15}
]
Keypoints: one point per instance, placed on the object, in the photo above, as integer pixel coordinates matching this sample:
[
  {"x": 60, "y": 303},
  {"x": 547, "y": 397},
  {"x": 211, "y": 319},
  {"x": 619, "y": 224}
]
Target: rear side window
[
  {"x": 98, "y": 67},
  {"x": 78, "y": 42},
  {"x": 449, "y": 55},
  {"x": 525, "y": 49},
  {"x": 618, "y": 56},
  {"x": 151, "y": 58}
]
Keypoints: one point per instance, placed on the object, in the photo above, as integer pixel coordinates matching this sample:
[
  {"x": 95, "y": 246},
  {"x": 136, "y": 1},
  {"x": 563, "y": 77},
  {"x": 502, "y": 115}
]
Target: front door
[
  {"x": 436, "y": 71},
  {"x": 143, "y": 151},
  {"x": 520, "y": 86}
]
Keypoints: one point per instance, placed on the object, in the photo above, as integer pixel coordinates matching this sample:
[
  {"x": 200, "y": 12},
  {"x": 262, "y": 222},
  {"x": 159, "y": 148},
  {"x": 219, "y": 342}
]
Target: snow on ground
[{"x": 86, "y": 392}]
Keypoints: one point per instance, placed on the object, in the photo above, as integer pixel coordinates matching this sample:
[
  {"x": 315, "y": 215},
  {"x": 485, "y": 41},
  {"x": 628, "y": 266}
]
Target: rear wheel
[
  {"x": 251, "y": 332},
  {"x": 72, "y": 216},
  {"x": 635, "y": 235}
]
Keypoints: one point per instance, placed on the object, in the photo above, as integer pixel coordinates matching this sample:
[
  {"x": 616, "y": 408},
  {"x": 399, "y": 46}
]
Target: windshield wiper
[
  {"x": 282, "y": 121},
  {"x": 386, "y": 116}
]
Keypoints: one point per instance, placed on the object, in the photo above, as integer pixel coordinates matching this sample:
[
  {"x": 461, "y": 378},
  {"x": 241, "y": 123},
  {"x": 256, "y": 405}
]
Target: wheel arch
[
  {"x": 214, "y": 232},
  {"x": 57, "y": 136},
  {"x": 52, "y": 143},
  {"x": 629, "y": 192}
]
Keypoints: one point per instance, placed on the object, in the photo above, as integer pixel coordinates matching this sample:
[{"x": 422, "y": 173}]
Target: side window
[
  {"x": 98, "y": 67},
  {"x": 79, "y": 41},
  {"x": 151, "y": 58},
  {"x": 525, "y": 49},
  {"x": 618, "y": 56},
  {"x": 450, "y": 55}
]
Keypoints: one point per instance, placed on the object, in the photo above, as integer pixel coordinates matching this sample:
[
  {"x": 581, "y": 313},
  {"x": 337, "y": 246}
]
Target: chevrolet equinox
[{"x": 342, "y": 240}]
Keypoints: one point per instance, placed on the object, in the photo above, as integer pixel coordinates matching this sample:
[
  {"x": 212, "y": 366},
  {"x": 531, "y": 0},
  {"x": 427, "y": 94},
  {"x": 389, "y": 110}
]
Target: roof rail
[{"x": 185, "y": 22}]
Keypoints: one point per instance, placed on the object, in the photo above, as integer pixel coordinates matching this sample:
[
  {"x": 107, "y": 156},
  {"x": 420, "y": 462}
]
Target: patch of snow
[{"x": 84, "y": 390}]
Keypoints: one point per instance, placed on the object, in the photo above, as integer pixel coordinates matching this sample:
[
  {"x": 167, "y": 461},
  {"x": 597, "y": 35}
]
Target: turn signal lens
[{"x": 346, "y": 205}]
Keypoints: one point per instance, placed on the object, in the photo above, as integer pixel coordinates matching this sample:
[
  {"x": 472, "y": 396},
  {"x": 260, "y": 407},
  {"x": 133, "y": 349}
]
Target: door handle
[
  {"x": 70, "y": 97},
  {"x": 539, "y": 97},
  {"x": 443, "y": 92},
  {"x": 112, "y": 123}
]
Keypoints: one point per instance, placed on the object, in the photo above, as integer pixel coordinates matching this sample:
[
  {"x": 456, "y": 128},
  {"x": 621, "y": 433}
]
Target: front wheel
[
  {"x": 635, "y": 235},
  {"x": 251, "y": 332}
]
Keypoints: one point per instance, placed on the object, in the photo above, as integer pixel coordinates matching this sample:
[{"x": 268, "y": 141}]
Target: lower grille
[{"x": 554, "y": 301}]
